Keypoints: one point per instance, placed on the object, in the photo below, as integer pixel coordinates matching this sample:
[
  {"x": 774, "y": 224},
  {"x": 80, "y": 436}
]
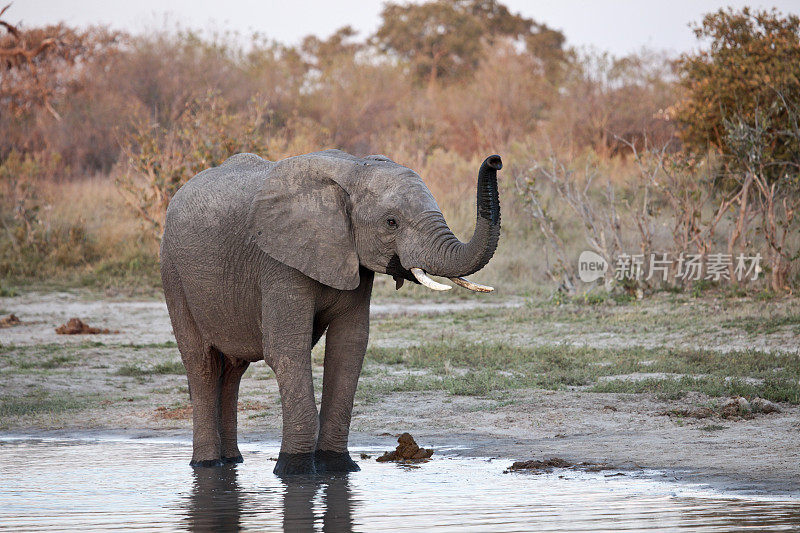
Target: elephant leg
[
  {"x": 345, "y": 346},
  {"x": 232, "y": 372},
  {"x": 204, "y": 371},
  {"x": 203, "y": 368},
  {"x": 288, "y": 319},
  {"x": 299, "y": 415}
]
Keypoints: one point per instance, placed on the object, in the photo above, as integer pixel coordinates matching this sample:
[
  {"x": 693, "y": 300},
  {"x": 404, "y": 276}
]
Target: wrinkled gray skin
[{"x": 259, "y": 259}]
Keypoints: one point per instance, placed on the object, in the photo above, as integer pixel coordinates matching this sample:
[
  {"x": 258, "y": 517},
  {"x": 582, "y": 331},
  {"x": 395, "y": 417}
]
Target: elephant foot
[
  {"x": 233, "y": 459},
  {"x": 208, "y": 463},
  {"x": 290, "y": 464},
  {"x": 328, "y": 461}
]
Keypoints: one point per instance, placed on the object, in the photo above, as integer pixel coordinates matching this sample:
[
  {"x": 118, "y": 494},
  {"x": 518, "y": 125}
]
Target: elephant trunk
[{"x": 452, "y": 258}]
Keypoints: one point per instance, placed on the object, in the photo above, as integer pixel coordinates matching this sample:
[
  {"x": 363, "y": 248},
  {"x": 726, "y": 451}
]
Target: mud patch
[
  {"x": 10, "y": 321},
  {"x": 76, "y": 326},
  {"x": 407, "y": 451},
  {"x": 548, "y": 465}
]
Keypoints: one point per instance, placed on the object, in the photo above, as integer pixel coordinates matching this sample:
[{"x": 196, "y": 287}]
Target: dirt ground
[{"x": 131, "y": 382}]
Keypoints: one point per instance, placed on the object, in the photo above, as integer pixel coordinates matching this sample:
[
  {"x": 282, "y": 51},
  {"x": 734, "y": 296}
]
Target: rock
[
  {"x": 75, "y": 326},
  {"x": 736, "y": 407},
  {"x": 407, "y": 450},
  {"x": 764, "y": 406},
  {"x": 9, "y": 321}
]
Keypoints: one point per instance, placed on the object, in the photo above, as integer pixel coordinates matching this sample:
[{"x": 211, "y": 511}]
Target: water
[{"x": 146, "y": 484}]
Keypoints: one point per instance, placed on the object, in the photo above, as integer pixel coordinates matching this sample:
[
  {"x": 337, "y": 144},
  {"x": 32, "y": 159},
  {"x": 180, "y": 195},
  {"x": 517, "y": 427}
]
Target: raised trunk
[{"x": 450, "y": 257}]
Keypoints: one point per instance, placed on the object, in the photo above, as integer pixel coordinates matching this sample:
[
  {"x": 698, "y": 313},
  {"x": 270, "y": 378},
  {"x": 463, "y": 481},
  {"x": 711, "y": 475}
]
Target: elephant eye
[{"x": 391, "y": 222}]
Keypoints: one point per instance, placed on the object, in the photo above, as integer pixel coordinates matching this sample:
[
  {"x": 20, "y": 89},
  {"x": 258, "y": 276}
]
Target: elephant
[{"x": 259, "y": 259}]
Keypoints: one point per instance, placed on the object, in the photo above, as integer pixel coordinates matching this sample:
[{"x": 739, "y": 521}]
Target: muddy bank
[{"x": 732, "y": 478}]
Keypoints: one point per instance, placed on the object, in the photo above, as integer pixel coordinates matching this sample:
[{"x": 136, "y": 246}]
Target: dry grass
[{"x": 96, "y": 204}]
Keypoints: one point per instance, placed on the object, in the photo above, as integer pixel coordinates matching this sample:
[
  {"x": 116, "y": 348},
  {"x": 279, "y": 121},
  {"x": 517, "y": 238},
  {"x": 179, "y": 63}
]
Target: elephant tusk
[
  {"x": 423, "y": 278},
  {"x": 471, "y": 285}
]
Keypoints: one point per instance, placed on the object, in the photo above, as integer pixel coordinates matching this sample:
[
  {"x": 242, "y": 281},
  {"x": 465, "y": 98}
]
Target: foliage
[
  {"x": 29, "y": 243},
  {"x": 611, "y": 103},
  {"x": 41, "y": 67},
  {"x": 445, "y": 38},
  {"x": 162, "y": 159},
  {"x": 33, "y": 60},
  {"x": 753, "y": 57},
  {"x": 776, "y": 195}
]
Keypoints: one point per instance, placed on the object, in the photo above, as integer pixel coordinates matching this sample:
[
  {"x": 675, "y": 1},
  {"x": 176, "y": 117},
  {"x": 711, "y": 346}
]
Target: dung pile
[
  {"x": 548, "y": 465},
  {"x": 407, "y": 451},
  {"x": 9, "y": 321},
  {"x": 541, "y": 466},
  {"x": 75, "y": 326}
]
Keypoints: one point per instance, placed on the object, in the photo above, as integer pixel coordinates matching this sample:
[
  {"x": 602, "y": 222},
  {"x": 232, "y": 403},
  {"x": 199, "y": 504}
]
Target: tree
[
  {"x": 33, "y": 62},
  {"x": 43, "y": 71},
  {"x": 753, "y": 58},
  {"x": 323, "y": 53},
  {"x": 741, "y": 99},
  {"x": 446, "y": 38}
]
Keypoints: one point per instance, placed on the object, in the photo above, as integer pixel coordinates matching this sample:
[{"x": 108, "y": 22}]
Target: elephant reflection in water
[
  {"x": 217, "y": 502},
  {"x": 298, "y": 503}
]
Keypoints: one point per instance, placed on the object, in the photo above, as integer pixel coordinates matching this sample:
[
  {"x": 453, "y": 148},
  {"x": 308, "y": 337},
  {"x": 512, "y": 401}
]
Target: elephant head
[{"x": 328, "y": 214}]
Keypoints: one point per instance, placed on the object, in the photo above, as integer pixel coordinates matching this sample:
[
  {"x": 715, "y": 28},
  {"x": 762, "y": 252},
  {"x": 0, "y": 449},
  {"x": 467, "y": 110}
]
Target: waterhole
[{"x": 147, "y": 484}]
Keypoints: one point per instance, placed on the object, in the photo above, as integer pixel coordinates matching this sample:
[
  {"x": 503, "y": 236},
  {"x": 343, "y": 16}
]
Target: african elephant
[{"x": 259, "y": 259}]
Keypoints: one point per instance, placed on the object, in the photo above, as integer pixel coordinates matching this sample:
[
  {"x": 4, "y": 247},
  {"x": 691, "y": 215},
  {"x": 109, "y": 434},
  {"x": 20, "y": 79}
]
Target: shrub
[{"x": 162, "y": 159}]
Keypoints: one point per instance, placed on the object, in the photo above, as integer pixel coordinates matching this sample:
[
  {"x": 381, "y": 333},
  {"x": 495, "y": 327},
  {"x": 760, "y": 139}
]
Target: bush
[
  {"x": 162, "y": 159},
  {"x": 30, "y": 245}
]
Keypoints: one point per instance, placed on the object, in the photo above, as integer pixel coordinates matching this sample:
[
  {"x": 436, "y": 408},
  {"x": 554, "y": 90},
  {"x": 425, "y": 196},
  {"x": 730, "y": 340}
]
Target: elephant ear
[{"x": 300, "y": 217}]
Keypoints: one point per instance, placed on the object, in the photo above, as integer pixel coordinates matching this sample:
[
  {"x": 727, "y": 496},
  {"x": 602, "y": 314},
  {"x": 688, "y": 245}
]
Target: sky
[{"x": 616, "y": 26}]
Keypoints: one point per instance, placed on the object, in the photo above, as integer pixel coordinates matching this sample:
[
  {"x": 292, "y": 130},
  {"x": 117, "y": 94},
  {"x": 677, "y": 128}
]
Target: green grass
[
  {"x": 776, "y": 390},
  {"x": 40, "y": 403},
  {"x": 478, "y": 369},
  {"x": 7, "y": 292},
  {"x": 57, "y": 361},
  {"x": 168, "y": 367},
  {"x": 597, "y": 313},
  {"x": 576, "y": 365},
  {"x": 765, "y": 325},
  {"x": 136, "y": 346}
]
